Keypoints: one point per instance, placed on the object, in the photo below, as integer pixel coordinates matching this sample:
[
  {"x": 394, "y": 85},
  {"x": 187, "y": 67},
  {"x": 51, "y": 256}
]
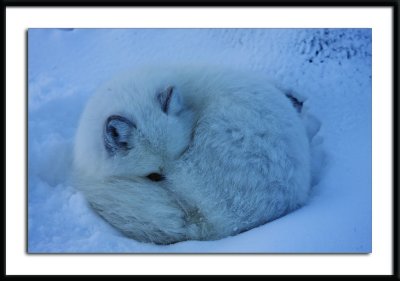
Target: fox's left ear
[
  {"x": 117, "y": 134},
  {"x": 170, "y": 101}
]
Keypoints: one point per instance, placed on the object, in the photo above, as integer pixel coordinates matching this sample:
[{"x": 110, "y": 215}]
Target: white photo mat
[{"x": 18, "y": 20}]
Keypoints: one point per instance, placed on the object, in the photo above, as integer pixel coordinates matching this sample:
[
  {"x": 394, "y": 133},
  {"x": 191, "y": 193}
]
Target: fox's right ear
[
  {"x": 116, "y": 134},
  {"x": 170, "y": 100}
]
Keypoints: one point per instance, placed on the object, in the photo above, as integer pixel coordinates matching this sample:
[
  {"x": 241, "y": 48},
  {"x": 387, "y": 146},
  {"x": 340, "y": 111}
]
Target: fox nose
[{"x": 155, "y": 177}]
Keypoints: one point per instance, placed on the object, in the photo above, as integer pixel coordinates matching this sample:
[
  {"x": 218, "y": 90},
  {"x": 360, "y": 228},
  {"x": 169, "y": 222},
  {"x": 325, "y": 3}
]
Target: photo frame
[{"x": 209, "y": 259}]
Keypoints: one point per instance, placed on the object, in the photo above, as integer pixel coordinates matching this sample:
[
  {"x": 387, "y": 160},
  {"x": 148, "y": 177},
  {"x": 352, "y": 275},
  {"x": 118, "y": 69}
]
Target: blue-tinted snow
[{"x": 330, "y": 68}]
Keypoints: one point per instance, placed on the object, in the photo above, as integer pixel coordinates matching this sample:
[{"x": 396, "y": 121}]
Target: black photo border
[{"x": 394, "y": 4}]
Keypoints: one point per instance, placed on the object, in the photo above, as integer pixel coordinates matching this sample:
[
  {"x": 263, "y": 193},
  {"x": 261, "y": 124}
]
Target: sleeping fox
[{"x": 167, "y": 154}]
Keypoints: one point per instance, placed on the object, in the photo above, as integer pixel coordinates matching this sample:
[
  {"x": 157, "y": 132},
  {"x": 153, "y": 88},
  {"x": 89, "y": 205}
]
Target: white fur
[{"x": 235, "y": 156}]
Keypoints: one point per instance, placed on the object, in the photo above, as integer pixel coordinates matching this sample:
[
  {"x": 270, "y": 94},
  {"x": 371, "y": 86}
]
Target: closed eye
[{"x": 155, "y": 177}]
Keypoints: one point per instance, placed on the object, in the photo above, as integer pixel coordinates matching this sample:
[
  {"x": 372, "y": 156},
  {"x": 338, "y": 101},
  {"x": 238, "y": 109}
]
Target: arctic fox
[{"x": 185, "y": 153}]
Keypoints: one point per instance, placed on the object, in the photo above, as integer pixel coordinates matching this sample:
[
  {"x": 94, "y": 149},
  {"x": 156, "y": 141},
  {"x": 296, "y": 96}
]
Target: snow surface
[{"x": 330, "y": 68}]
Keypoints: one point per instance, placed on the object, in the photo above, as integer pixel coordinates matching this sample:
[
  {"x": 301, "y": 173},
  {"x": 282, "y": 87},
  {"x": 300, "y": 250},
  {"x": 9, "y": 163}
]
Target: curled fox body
[{"x": 184, "y": 153}]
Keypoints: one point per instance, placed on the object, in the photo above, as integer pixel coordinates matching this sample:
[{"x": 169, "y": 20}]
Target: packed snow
[{"x": 329, "y": 68}]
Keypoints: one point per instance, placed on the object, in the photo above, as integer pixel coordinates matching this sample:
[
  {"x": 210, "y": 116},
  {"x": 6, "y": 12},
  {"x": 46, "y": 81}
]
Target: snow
[{"x": 329, "y": 68}]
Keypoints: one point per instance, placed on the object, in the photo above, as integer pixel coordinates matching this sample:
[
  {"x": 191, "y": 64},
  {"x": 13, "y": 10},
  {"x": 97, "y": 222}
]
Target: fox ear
[
  {"x": 116, "y": 134},
  {"x": 170, "y": 101}
]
